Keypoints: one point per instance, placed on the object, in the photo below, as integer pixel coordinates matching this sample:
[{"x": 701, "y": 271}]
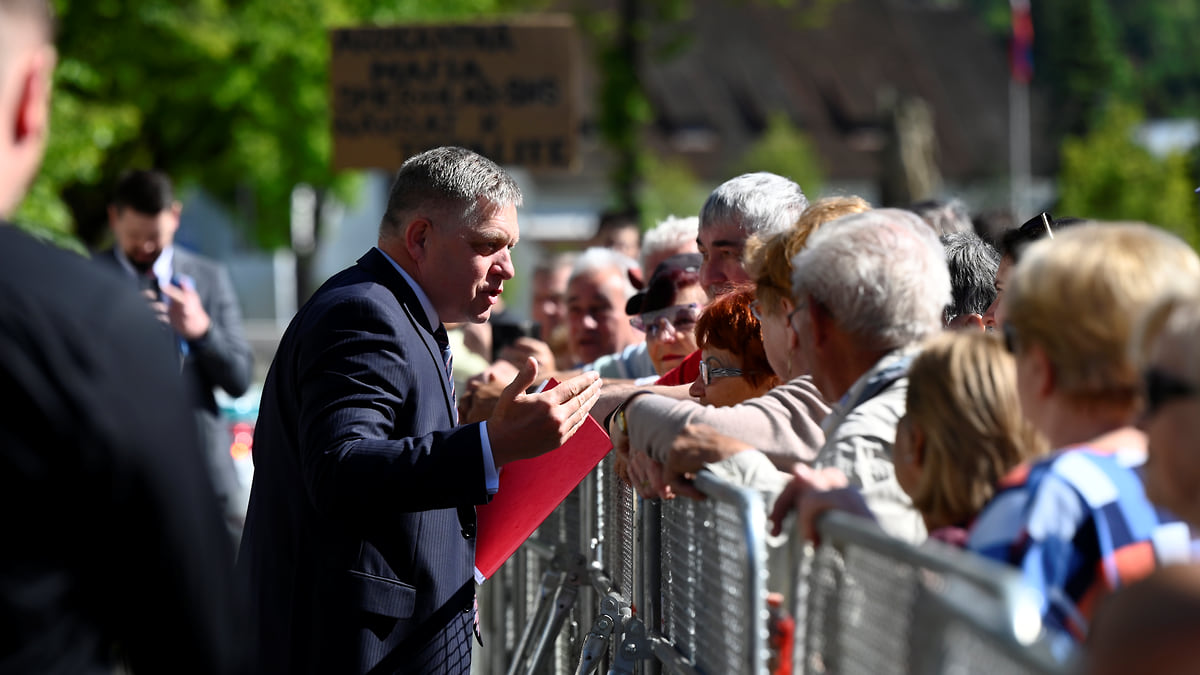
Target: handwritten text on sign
[{"x": 506, "y": 91}]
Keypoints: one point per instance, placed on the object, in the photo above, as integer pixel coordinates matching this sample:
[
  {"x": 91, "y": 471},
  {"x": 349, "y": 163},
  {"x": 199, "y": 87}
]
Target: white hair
[
  {"x": 881, "y": 274},
  {"x": 760, "y": 203},
  {"x": 670, "y": 234},
  {"x": 599, "y": 258}
]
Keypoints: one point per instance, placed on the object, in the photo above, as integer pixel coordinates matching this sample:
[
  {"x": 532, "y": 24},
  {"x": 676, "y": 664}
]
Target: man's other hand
[{"x": 527, "y": 425}]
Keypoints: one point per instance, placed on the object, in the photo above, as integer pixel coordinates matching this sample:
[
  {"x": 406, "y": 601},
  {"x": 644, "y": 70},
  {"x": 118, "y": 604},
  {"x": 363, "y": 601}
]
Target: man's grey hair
[
  {"x": 945, "y": 217},
  {"x": 668, "y": 234},
  {"x": 448, "y": 181},
  {"x": 759, "y": 203},
  {"x": 881, "y": 274},
  {"x": 602, "y": 258},
  {"x": 972, "y": 263}
]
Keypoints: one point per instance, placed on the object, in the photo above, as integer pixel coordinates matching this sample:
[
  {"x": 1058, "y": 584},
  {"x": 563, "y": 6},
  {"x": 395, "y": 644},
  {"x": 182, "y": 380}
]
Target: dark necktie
[{"x": 443, "y": 341}]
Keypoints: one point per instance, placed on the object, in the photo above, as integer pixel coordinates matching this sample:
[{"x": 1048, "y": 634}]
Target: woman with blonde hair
[
  {"x": 963, "y": 430},
  {"x": 769, "y": 263},
  {"x": 1077, "y": 523}
]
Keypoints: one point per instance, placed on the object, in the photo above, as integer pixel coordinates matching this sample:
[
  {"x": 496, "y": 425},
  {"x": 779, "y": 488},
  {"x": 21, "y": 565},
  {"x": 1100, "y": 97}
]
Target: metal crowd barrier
[
  {"x": 712, "y": 591},
  {"x": 614, "y": 584},
  {"x": 869, "y": 603}
]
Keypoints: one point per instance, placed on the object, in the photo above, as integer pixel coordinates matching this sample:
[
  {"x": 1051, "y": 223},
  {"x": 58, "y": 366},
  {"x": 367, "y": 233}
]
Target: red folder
[{"x": 530, "y": 489}]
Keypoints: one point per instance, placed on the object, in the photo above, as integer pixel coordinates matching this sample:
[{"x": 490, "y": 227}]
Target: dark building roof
[{"x": 745, "y": 60}]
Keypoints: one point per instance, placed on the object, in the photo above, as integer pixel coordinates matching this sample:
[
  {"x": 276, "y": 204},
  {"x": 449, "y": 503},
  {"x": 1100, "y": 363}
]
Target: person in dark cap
[{"x": 666, "y": 311}]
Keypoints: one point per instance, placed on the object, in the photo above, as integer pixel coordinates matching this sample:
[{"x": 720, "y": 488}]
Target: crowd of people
[
  {"x": 1025, "y": 399},
  {"x": 1030, "y": 399}
]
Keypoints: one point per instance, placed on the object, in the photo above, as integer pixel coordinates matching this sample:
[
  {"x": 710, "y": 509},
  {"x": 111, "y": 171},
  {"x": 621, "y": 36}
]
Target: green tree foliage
[
  {"x": 619, "y": 42},
  {"x": 1087, "y": 52},
  {"x": 787, "y": 151},
  {"x": 1078, "y": 53},
  {"x": 669, "y": 188},
  {"x": 1160, "y": 38},
  {"x": 229, "y": 95},
  {"x": 1106, "y": 175}
]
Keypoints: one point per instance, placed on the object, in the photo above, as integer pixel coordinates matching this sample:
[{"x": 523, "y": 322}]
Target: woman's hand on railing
[{"x": 697, "y": 446}]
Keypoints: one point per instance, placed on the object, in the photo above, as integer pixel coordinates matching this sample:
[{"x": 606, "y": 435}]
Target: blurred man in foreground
[{"x": 114, "y": 548}]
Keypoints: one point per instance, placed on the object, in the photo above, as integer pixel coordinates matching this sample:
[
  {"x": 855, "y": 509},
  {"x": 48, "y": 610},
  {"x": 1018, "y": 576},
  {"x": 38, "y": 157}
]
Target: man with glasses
[{"x": 1171, "y": 405}]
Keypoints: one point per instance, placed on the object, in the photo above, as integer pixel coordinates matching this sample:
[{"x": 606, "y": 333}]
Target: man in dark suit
[
  {"x": 194, "y": 298},
  {"x": 113, "y": 542},
  {"x": 359, "y": 542}
]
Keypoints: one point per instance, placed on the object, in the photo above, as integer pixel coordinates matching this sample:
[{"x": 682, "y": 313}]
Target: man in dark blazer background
[
  {"x": 194, "y": 297},
  {"x": 113, "y": 546},
  {"x": 359, "y": 542}
]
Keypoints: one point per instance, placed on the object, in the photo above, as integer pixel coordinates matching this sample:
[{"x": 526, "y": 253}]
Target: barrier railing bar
[{"x": 1004, "y": 583}]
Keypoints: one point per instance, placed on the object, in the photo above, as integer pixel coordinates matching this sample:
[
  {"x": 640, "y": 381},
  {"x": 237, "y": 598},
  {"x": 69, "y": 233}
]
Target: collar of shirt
[
  {"x": 431, "y": 314},
  {"x": 162, "y": 266},
  {"x": 893, "y": 366}
]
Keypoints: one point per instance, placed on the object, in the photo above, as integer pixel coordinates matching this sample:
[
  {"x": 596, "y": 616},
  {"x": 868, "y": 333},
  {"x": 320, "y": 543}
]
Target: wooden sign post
[{"x": 506, "y": 90}]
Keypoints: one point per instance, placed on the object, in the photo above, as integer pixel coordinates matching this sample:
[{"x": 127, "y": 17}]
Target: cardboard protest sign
[{"x": 506, "y": 90}]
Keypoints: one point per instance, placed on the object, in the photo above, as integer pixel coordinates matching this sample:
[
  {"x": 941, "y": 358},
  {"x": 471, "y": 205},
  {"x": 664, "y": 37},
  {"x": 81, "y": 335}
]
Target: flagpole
[
  {"x": 1020, "y": 74},
  {"x": 1019, "y": 150}
]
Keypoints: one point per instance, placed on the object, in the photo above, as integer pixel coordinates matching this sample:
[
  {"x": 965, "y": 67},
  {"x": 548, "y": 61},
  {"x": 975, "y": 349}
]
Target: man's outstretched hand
[{"x": 527, "y": 425}]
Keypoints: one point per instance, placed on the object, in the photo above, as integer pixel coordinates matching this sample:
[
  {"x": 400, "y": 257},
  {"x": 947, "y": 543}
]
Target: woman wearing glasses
[
  {"x": 783, "y": 423},
  {"x": 668, "y": 309},
  {"x": 733, "y": 362},
  {"x": 1078, "y": 523},
  {"x": 1167, "y": 345}
]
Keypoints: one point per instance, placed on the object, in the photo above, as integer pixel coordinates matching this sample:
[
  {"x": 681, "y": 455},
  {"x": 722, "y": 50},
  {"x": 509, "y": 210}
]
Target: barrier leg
[
  {"x": 552, "y": 580},
  {"x": 564, "y": 599},
  {"x": 601, "y": 634}
]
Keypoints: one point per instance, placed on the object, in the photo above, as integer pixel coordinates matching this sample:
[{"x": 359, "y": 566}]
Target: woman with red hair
[{"x": 733, "y": 362}]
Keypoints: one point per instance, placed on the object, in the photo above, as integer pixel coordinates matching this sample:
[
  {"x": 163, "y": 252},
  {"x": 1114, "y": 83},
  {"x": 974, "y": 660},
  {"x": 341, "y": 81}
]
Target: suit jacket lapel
[{"x": 381, "y": 270}]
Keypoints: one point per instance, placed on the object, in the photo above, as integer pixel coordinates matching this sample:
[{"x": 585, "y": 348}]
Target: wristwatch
[
  {"x": 618, "y": 415},
  {"x": 621, "y": 423}
]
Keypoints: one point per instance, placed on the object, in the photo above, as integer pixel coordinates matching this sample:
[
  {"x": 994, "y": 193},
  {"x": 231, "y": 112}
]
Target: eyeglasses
[
  {"x": 1010, "y": 337},
  {"x": 708, "y": 373},
  {"x": 756, "y": 310},
  {"x": 1160, "y": 388},
  {"x": 677, "y": 319}
]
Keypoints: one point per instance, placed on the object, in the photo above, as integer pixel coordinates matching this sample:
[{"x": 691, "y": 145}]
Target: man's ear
[
  {"x": 113, "y": 213},
  {"x": 33, "y": 97},
  {"x": 918, "y": 444},
  {"x": 969, "y": 323},
  {"x": 1043, "y": 371},
  {"x": 821, "y": 321},
  {"x": 416, "y": 237}
]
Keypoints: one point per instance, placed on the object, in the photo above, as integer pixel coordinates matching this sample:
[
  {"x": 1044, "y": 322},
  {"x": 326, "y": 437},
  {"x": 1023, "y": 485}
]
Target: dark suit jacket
[
  {"x": 223, "y": 358},
  {"x": 112, "y": 537},
  {"x": 358, "y": 545}
]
